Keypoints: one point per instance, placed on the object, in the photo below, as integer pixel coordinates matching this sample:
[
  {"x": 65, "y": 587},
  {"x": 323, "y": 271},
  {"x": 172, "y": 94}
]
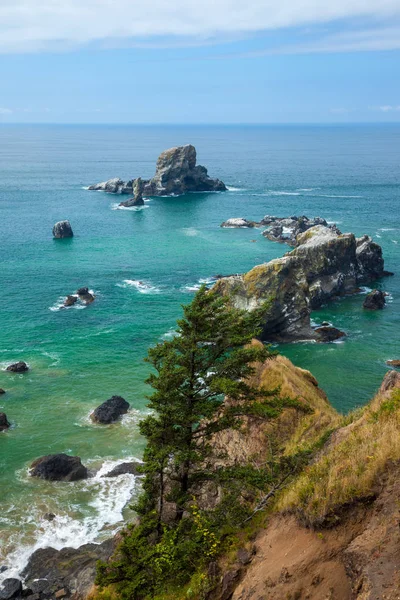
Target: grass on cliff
[{"x": 349, "y": 467}]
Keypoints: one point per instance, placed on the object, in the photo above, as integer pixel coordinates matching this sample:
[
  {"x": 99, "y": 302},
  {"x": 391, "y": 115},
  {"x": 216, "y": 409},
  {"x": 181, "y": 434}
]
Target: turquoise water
[{"x": 80, "y": 357}]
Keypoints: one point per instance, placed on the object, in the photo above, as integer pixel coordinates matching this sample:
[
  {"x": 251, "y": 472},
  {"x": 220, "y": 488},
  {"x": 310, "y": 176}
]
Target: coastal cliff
[
  {"x": 176, "y": 174},
  {"x": 324, "y": 264}
]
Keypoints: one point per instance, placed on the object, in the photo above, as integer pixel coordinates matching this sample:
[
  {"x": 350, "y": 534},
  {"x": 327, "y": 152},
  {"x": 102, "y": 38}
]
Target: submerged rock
[
  {"x": 62, "y": 229},
  {"x": 375, "y": 300},
  {"x": 18, "y": 367},
  {"x": 323, "y": 265},
  {"x": 2, "y": 391},
  {"x": 137, "y": 199},
  {"x": 110, "y": 410},
  {"x": 393, "y": 363},
  {"x": 123, "y": 468},
  {"x": 238, "y": 222},
  {"x": 327, "y": 333},
  {"x": 4, "y": 424},
  {"x": 176, "y": 174},
  {"x": 11, "y": 588},
  {"x": 58, "y": 467}
]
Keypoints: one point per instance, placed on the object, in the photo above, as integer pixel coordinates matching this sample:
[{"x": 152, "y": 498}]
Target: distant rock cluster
[{"x": 176, "y": 174}]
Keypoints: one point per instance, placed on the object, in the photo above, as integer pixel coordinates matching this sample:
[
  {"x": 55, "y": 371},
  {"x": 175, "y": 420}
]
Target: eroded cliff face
[
  {"x": 176, "y": 174},
  {"x": 357, "y": 558},
  {"x": 324, "y": 264}
]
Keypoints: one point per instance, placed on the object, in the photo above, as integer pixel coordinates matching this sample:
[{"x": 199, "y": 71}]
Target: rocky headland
[
  {"x": 176, "y": 174},
  {"x": 324, "y": 264}
]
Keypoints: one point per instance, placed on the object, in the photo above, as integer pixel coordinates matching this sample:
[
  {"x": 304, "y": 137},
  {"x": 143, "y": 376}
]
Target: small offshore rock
[
  {"x": 375, "y": 300},
  {"x": 393, "y": 363},
  {"x": 49, "y": 516},
  {"x": 62, "y": 229},
  {"x": 58, "y": 467},
  {"x": 18, "y": 367},
  {"x": 110, "y": 410},
  {"x": 70, "y": 300},
  {"x": 238, "y": 223},
  {"x": 12, "y": 588},
  {"x": 123, "y": 468},
  {"x": 85, "y": 296},
  {"x": 137, "y": 199},
  {"x": 2, "y": 391},
  {"x": 4, "y": 424},
  {"x": 329, "y": 333},
  {"x": 3, "y": 568}
]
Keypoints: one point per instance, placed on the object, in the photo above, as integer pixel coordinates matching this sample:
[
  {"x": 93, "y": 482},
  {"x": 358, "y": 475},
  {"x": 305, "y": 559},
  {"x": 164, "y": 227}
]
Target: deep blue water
[{"x": 347, "y": 174}]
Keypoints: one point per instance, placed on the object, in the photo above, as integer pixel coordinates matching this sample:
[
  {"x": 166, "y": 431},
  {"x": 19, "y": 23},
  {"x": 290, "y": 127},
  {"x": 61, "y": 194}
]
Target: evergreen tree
[{"x": 209, "y": 358}]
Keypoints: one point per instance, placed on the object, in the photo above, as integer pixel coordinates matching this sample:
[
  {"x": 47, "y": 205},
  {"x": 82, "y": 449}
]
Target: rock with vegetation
[
  {"x": 59, "y": 467},
  {"x": 18, "y": 367},
  {"x": 324, "y": 265},
  {"x": 137, "y": 199},
  {"x": 375, "y": 300},
  {"x": 4, "y": 424},
  {"x": 176, "y": 174},
  {"x": 110, "y": 411},
  {"x": 62, "y": 229}
]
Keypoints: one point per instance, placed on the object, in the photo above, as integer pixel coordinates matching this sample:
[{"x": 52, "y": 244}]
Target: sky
[{"x": 186, "y": 61}]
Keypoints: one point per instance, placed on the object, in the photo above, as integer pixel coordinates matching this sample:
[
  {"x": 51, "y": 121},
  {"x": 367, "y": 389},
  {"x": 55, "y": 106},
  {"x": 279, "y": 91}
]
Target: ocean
[{"x": 142, "y": 265}]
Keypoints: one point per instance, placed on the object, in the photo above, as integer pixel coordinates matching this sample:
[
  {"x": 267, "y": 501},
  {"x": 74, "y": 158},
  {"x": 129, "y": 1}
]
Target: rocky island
[
  {"x": 176, "y": 174},
  {"x": 324, "y": 264}
]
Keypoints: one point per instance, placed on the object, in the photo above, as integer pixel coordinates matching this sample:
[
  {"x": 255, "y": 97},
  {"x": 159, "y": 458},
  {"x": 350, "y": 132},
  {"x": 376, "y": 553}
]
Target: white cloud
[
  {"x": 385, "y": 108},
  {"x": 5, "y": 111},
  {"x": 36, "y": 25}
]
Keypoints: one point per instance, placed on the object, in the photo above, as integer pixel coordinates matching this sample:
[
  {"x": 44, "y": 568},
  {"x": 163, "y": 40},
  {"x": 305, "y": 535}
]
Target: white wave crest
[
  {"x": 144, "y": 287},
  {"x": 190, "y": 231},
  {"x": 110, "y": 495}
]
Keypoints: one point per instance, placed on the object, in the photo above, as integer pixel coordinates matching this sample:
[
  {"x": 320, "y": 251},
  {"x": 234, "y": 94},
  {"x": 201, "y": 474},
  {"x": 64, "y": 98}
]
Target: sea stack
[
  {"x": 176, "y": 174},
  {"x": 137, "y": 199},
  {"x": 62, "y": 229}
]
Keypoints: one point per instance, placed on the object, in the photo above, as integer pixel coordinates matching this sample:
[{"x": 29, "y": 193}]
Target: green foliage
[
  {"x": 209, "y": 359},
  {"x": 387, "y": 407}
]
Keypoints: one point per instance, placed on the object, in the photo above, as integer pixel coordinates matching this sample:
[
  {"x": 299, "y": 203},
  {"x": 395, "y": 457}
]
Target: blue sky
[{"x": 219, "y": 61}]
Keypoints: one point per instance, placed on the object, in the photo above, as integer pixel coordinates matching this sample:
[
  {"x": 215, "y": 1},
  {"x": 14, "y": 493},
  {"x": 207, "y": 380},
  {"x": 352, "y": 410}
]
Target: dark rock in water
[
  {"x": 2, "y": 391},
  {"x": 74, "y": 570},
  {"x": 110, "y": 410},
  {"x": 324, "y": 265},
  {"x": 3, "y": 568},
  {"x": 176, "y": 174},
  {"x": 123, "y": 468},
  {"x": 49, "y": 516},
  {"x": 4, "y": 424},
  {"x": 137, "y": 200},
  {"x": 82, "y": 291},
  {"x": 85, "y": 296},
  {"x": 62, "y": 229},
  {"x": 70, "y": 300},
  {"x": 58, "y": 467},
  {"x": 238, "y": 223},
  {"x": 12, "y": 588},
  {"x": 375, "y": 300},
  {"x": 327, "y": 333},
  {"x": 393, "y": 363},
  {"x": 18, "y": 367}
]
